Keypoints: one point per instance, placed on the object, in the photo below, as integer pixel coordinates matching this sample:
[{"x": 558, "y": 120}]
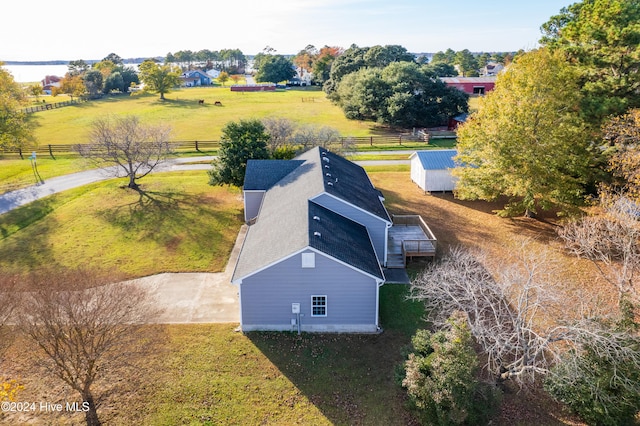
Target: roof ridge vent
[
  {"x": 327, "y": 174},
  {"x": 317, "y": 234},
  {"x": 326, "y": 166},
  {"x": 316, "y": 218},
  {"x": 325, "y": 159},
  {"x": 330, "y": 183}
]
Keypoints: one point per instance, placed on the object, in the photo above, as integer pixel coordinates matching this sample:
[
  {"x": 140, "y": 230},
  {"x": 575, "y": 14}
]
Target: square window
[{"x": 318, "y": 306}]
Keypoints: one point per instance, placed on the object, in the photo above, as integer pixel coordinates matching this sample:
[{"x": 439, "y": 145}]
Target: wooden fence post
[
  {"x": 197, "y": 148},
  {"x": 51, "y": 152}
]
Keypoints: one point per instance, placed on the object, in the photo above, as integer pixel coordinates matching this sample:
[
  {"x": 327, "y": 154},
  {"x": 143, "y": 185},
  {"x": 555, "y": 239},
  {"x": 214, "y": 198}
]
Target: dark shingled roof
[
  {"x": 342, "y": 239},
  {"x": 285, "y": 224},
  {"x": 263, "y": 174},
  {"x": 350, "y": 182}
]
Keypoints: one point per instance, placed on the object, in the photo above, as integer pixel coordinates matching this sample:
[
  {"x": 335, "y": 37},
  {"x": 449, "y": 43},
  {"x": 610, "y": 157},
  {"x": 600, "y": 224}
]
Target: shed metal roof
[{"x": 439, "y": 159}]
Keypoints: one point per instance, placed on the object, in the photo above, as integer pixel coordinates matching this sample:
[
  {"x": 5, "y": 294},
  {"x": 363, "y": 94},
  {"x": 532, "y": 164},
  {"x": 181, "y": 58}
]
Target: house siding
[
  {"x": 439, "y": 180},
  {"x": 418, "y": 172},
  {"x": 376, "y": 226},
  {"x": 252, "y": 203},
  {"x": 351, "y": 297}
]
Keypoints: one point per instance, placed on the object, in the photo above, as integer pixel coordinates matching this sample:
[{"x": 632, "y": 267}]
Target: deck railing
[{"x": 411, "y": 248}]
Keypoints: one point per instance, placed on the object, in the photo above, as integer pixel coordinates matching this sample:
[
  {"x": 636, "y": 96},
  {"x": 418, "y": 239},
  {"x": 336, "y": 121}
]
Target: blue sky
[{"x": 79, "y": 29}]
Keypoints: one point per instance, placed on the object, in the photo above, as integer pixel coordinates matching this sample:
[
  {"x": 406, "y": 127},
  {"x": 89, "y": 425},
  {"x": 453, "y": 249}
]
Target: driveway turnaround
[{"x": 197, "y": 297}]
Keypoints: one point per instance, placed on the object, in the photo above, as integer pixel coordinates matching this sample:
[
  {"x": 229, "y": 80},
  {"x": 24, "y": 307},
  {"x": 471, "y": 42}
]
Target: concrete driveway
[{"x": 197, "y": 297}]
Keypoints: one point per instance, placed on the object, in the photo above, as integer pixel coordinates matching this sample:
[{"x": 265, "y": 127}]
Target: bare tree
[
  {"x": 310, "y": 135},
  {"x": 84, "y": 327},
  {"x": 507, "y": 312},
  {"x": 281, "y": 131},
  {"x": 611, "y": 240},
  {"x": 125, "y": 143}
]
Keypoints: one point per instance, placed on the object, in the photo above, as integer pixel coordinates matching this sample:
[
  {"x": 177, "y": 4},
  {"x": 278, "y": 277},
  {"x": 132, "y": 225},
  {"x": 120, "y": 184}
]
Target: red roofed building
[
  {"x": 471, "y": 85},
  {"x": 49, "y": 82}
]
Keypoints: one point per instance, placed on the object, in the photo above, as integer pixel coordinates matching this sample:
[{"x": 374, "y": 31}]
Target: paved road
[{"x": 20, "y": 197}]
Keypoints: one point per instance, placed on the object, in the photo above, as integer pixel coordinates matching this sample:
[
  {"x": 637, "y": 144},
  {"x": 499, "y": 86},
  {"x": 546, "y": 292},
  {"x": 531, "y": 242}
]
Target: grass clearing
[
  {"x": 192, "y": 121},
  {"x": 176, "y": 223},
  {"x": 18, "y": 173},
  {"x": 217, "y": 376}
]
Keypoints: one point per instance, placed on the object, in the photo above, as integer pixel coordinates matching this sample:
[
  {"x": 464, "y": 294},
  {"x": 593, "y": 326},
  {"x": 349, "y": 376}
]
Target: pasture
[{"x": 191, "y": 120}]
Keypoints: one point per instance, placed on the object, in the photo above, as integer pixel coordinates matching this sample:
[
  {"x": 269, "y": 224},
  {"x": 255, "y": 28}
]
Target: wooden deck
[{"x": 409, "y": 237}]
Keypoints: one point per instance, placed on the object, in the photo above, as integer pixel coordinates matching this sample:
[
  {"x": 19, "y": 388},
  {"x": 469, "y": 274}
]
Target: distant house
[
  {"x": 314, "y": 253},
  {"x": 302, "y": 78},
  {"x": 213, "y": 74},
  {"x": 195, "y": 78},
  {"x": 431, "y": 170},
  {"x": 492, "y": 69},
  {"x": 49, "y": 82},
  {"x": 471, "y": 85}
]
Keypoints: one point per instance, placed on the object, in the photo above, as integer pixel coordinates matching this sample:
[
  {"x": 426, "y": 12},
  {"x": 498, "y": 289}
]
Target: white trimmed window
[{"x": 318, "y": 306}]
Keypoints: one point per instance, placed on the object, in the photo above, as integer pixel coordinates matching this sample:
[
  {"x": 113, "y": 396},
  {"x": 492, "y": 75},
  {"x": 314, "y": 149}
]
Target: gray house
[{"x": 313, "y": 256}]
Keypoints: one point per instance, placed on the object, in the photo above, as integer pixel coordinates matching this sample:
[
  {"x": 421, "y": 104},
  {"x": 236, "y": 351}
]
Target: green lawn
[
  {"x": 217, "y": 376},
  {"x": 177, "y": 223},
  {"x": 18, "y": 173},
  {"x": 192, "y": 121}
]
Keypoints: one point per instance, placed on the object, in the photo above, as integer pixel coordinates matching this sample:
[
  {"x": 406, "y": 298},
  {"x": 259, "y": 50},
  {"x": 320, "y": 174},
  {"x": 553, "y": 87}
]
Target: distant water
[{"x": 35, "y": 73}]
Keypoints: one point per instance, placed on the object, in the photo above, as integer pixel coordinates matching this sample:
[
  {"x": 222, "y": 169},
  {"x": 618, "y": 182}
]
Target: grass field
[
  {"x": 177, "y": 223},
  {"x": 192, "y": 121}
]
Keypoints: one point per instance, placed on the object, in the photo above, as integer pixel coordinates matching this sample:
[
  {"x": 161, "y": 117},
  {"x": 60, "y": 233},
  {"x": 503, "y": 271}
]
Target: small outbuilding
[{"x": 431, "y": 170}]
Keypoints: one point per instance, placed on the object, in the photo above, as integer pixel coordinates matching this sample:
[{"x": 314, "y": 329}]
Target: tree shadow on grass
[
  {"x": 24, "y": 236},
  {"x": 350, "y": 378},
  {"x": 175, "y": 219}
]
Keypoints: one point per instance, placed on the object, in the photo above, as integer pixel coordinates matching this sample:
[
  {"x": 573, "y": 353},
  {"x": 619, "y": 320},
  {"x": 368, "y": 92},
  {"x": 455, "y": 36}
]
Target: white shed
[{"x": 431, "y": 170}]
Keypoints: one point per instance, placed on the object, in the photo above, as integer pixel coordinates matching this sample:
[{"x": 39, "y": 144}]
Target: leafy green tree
[
  {"x": 93, "y": 81},
  {"x": 72, "y": 85},
  {"x": 602, "y": 39},
  {"x": 323, "y": 63},
  {"x": 223, "y": 77},
  {"x": 114, "y": 82},
  {"x": 350, "y": 61},
  {"x": 112, "y": 57},
  {"x": 402, "y": 94},
  {"x": 381, "y": 56},
  {"x": 527, "y": 141},
  {"x": 78, "y": 67},
  {"x": 241, "y": 141},
  {"x": 274, "y": 69},
  {"x": 602, "y": 387},
  {"x": 35, "y": 90},
  {"x": 129, "y": 76},
  {"x": 440, "y": 376},
  {"x": 467, "y": 63},
  {"x": 159, "y": 79},
  {"x": 623, "y": 133},
  {"x": 442, "y": 69},
  {"x": 363, "y": 95},
  {"x": 15, "y": 128}
]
